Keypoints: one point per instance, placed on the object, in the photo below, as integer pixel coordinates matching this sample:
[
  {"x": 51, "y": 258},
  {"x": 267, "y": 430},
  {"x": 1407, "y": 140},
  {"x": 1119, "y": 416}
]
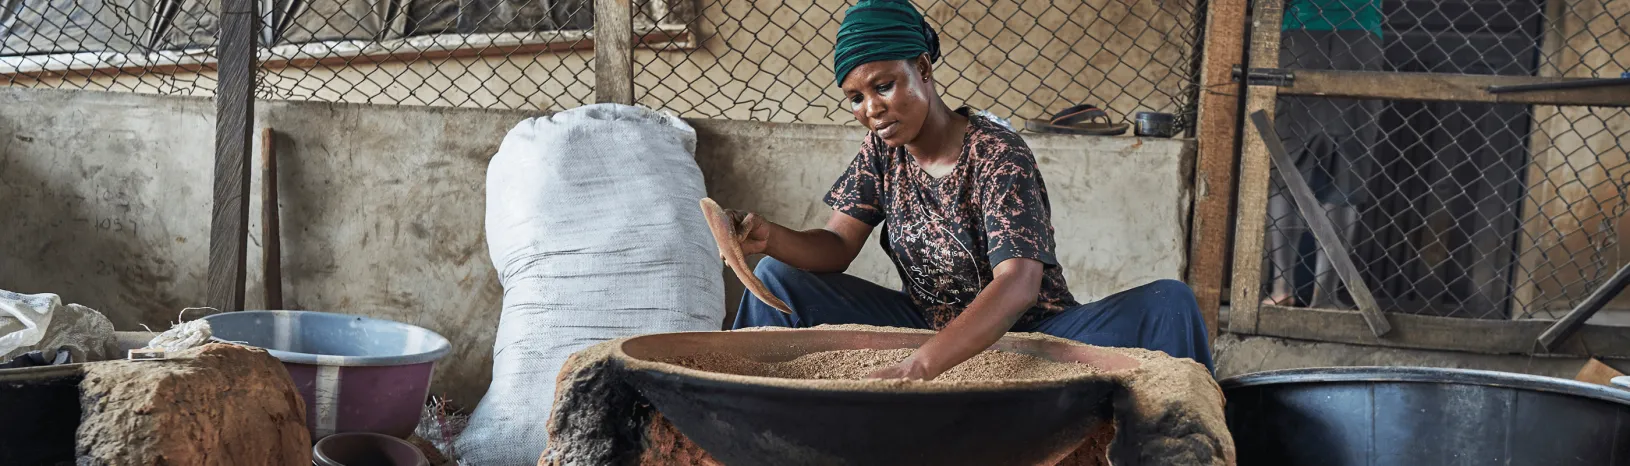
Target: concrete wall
[
  {"x": 1023, "y": 58},
  {"x": 106, "y": 197}
]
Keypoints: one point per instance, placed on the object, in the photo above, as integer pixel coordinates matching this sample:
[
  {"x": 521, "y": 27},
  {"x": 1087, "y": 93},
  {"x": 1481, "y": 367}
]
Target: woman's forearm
[
  {"x": 817, "y": 250},
  {"x": 992, "y": 313}
]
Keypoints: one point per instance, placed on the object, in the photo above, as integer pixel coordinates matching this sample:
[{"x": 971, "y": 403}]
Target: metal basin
[
  {"x": 744, "y": 420},
  {"x": 39, "y": 413},
  {"x": 1406, "y": 415},
  {"x": 356, "y": 374}
]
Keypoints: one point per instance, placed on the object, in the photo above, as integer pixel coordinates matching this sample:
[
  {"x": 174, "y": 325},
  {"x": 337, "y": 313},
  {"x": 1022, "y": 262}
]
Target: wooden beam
[
  {"x": 1324, "y": 230},
  {"x": 234, "y": 112},
  {"x": 1252, "y": 212},
  {"x": 1218, "y": 140},
  {"x": 614, "y": 51},
  {"x": 1445, "y": 87},
  {"x": 270, "y": 234},
  {"x": 1440, "y": 333},
  {"x": 1564, "y": 328},
  {"x": 563, "y": 41},
  {"x": 1484, "y": 336}
]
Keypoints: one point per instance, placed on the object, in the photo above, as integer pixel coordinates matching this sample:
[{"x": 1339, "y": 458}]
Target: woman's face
[{"x": 890, "y": 98}]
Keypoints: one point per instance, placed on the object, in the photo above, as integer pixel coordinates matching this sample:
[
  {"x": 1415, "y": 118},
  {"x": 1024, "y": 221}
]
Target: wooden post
[
  {"x": 270, "y": 233},
  {"x": 234, "y": 111},
  {"x": 1219, "y": 140},
  {"x": 614, "y": 51},
  {"x": 1253, "y": 173}
]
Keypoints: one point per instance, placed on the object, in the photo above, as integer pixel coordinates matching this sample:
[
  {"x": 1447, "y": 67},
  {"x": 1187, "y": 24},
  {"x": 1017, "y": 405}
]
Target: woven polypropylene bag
[{"x": 593, "y": 225}]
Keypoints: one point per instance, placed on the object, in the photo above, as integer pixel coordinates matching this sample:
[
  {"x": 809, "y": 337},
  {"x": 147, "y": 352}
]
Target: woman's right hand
[{"x": 752, "y": 232}]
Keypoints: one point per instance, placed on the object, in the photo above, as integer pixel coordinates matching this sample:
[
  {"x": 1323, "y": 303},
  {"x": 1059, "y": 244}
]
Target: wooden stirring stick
[{"x": 724, "y": 235}]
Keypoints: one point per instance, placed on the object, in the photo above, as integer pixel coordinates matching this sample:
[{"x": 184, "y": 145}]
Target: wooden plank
[
  {"x": 1440, "y": 333},
  {"x": 1564, "y": 328},
  {"x": 1324, "y": 231},
  {"x": 1252, "y": 213},
  {"x": 1218, "y": 140},
  {"x": 614, "y": 51},
  {"x": 234, "y": 111},
  {"x": 270, "y": 234},
  {"x": 1597, "y": 372},
  {"x": 1443, "y": 87},
  {"x": 564, "y": 43}
]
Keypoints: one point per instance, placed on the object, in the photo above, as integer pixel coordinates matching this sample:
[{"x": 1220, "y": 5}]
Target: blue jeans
[{"x": 1161, "y": 316}]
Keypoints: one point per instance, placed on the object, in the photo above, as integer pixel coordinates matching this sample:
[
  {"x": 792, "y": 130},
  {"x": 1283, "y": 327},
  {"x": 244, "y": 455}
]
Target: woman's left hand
[{"x": 752, "y": 232}]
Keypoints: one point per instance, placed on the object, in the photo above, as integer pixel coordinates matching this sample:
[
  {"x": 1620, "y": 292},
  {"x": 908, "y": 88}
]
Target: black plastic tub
[
  {"x": 1407, "y": 416},
  {"x": 750, "y": 420},
  {"x": 39, "y": 412}
]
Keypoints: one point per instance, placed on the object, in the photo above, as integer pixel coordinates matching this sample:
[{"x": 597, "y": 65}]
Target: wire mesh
[
  {"x": 732, "y": 59},
  {"x": 1473, "y": 210},
  {"x": 1479, "y": 37},
  {"x": 160, "y": 47},
  {"x": 1017, "y": 59},
  {"x": 463, "y": 53},
  {"x": 468, "y": 53}
]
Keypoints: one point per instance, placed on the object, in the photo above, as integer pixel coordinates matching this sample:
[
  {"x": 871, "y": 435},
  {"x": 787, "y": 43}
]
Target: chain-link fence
[
  {"x": 164, "y": 47},
  {"x": 730, "y": 59},
  {"x": 465, "y": 53},
  {"x": 1017, "y": 59},
  {"x": 1474, "y": 210},
  {"x": 469, "y": 53}
]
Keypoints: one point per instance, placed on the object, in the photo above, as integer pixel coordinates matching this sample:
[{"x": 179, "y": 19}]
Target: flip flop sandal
[{"x": 1080, "y": 119}]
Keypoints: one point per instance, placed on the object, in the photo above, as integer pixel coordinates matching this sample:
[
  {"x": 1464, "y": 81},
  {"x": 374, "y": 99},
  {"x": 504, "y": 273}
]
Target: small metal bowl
[{"x": 366, "y": 448}]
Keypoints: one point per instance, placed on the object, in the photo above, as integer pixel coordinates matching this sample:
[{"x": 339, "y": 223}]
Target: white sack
[{"x": 594, "y": 227}]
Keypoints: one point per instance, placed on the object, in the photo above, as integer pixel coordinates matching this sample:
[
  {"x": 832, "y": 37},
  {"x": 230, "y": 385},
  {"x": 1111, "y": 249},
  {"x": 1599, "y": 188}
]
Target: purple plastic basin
[{"x": 356, "y": 374}]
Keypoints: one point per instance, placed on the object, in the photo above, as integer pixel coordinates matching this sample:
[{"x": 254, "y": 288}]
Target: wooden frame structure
[
  {"x": 613, "y": 40},
  {"x": 1218, "y": 138},
  {"x": 1249, "y": 316}
]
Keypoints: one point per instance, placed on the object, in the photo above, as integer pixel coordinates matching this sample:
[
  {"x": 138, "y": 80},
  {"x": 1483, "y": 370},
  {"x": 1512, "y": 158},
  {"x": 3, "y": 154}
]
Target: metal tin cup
[{"x": 1155, "y": 124}]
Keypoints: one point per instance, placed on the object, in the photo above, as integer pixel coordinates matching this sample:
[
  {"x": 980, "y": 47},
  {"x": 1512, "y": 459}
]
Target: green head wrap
[{"x": 882, "y": 30}]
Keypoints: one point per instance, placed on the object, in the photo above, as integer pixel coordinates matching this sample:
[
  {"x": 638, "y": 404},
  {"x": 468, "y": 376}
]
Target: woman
[{"x": 968, "y": 224}]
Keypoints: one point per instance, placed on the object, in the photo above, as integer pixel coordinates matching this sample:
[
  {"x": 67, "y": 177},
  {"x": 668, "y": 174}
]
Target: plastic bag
[
  {"x": 32, "y": 313},
  {"x": 48, "y": 325}
]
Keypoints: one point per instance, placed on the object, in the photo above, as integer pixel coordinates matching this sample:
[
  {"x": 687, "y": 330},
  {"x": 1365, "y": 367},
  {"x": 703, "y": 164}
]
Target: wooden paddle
[{"x": 724, "y": 235}]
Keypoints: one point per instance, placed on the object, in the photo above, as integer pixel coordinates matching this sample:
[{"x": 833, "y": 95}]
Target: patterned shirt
[{"x": 945, "y": 235}]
